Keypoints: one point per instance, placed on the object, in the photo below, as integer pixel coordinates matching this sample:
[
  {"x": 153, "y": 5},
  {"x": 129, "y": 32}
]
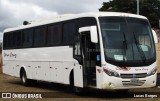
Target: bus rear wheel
[{"x": 24, "y": 79}]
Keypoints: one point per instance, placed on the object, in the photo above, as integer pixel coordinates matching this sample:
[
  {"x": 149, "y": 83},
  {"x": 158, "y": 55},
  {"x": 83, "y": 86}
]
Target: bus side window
[
  {"x": 27, "y": 37},
  {"x": 19, "y": 39},
  {"x": 69, "y": 29},
  {"x": 39, "y": 36},
  {"x": 53, "y": 35},
  {"x": 15, "y": 39},
  {"x": 5, "y": 41},
  {"x": 10, "y": 40}
]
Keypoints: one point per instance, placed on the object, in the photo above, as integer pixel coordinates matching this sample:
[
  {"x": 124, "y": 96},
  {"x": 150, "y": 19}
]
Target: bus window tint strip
[{"x": 49, "y": 35}]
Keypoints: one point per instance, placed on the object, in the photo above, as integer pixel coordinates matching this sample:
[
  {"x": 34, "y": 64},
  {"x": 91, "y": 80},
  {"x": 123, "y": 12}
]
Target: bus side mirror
[
  {"x": 93, "y": 32},
  {"x": 155, "y": 36}
]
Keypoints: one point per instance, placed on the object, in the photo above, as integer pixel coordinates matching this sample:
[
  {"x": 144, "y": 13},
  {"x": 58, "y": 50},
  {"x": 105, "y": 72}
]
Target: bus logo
[{"x": 134, "y": 75}]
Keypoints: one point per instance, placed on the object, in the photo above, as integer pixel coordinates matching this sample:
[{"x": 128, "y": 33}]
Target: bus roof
[{"x": 71, "y": 16}]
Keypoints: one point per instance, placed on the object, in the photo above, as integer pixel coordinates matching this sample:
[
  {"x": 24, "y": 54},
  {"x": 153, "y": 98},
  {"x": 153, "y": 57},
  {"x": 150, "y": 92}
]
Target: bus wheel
[
  {"x": 24, "y": 79},
  {"x": 73, "y": 88}
]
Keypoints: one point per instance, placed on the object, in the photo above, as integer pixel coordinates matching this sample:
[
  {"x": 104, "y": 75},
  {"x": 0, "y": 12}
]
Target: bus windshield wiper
[
  {"x": 139, "y": 48},
  {"x": 124, "y": 46}
]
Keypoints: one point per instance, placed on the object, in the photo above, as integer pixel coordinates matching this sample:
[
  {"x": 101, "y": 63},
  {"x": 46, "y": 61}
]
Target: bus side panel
[
  {"x": 78, "y": 75},
  {"x": 58, "y": 71},
  {"x": 68, "y": 66},
  {"x": 29, "y": 69},
  {"x": 6, "y": 67},
  {"x": 52, "y": 72},
  {"x": 46, "y": 71},
  {"x": 61, "y": 59},
  {"x": 99, "y": 77},
  {"x": 41, "y": 70},
  {"x": 38, "y": 72},
  {"x": 9, "y": 65},
  {"x": 16, "y": 68},
  {"x": 34, "y": 70}
]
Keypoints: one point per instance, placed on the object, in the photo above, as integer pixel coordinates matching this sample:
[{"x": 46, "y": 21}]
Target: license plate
[{"x": 135, "y": 80}]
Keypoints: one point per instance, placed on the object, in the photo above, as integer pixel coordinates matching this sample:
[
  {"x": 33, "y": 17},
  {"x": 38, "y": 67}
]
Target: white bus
[{"x": 103, "y": 50}]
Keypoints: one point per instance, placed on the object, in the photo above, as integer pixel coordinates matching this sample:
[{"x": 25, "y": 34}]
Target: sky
[{"x": 14, "y": 12}]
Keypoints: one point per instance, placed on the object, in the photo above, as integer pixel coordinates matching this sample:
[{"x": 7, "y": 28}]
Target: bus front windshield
[{"x": 127, "y": 41}]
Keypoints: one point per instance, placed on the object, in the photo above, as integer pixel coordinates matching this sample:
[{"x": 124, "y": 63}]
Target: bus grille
[
  {"x": 139, "y": 75},
  {"x": 128, "y": 83}
]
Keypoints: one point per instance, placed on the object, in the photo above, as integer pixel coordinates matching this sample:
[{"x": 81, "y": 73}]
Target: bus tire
[
  {"x": 24, "y": 79},
  {"x": 72, "y": 87}
]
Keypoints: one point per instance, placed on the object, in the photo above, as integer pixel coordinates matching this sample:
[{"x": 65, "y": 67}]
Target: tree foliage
[{"x": 148, "y": 8}]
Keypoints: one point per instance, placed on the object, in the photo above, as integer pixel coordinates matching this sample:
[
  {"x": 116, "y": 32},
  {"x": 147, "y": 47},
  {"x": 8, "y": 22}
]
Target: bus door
[{"x": 89, "y": 60}]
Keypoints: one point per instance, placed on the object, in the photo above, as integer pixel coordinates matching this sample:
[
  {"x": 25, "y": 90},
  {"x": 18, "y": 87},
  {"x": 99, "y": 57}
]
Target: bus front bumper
[{"x": 119, "y": 83}]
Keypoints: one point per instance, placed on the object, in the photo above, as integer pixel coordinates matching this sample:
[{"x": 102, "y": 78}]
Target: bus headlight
[
  {"x": 152, "y": 72},
  {"x": 110, "y": 72}
]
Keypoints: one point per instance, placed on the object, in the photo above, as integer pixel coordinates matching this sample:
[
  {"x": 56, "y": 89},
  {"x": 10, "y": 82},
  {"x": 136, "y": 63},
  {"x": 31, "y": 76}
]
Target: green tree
[{"x": 148, "y": 8}]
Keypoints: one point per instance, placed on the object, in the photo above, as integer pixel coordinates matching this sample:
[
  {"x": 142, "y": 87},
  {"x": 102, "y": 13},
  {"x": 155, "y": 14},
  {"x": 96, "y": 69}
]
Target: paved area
[{"x": 58, "y": 92}]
